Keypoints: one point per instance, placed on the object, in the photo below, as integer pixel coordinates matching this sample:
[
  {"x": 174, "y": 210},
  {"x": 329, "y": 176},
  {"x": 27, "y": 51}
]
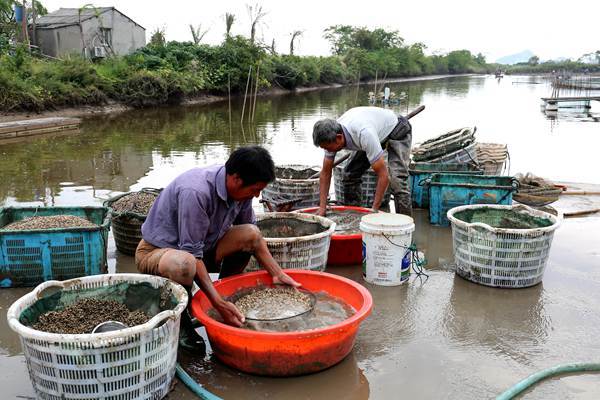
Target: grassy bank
[{"x": 170, "y": 73}]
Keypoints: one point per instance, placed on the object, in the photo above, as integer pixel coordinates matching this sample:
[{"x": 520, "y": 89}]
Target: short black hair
[{"x": 252, "y": 163}]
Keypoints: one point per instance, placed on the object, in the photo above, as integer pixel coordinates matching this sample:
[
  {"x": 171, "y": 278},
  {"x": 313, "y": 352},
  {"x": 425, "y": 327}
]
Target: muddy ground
[{"x": 443, "y": 338}]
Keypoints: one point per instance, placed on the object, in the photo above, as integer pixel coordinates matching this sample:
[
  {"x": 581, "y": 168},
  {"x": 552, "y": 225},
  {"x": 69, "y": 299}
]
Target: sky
[{"x": 550, "y": 28}]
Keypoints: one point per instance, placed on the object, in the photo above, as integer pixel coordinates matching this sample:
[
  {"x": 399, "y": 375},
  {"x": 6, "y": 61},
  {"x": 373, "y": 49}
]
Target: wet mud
[
  {"x": 288, "y": 228},
  {"x": 295, "y": 173},
  {"x": 347, "y": 222},
  {"x": 504, "y": 219}
]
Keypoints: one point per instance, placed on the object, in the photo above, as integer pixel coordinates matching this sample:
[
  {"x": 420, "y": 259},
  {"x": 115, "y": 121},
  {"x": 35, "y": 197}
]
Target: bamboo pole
[
  {"x": 375, "y": 88},
  {"x": 245, "y": 95},
  {"x": 229, "y": 97},
  {"x": 255, "y": 91}
]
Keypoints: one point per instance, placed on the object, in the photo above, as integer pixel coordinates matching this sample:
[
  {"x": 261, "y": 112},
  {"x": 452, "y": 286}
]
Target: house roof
[{"x": 70, "y": 16}]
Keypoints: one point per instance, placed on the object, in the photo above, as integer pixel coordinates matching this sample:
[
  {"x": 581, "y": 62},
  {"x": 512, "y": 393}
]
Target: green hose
[
  {"x": 194, "y": 386},
  {"x": 547, "y": 373}
]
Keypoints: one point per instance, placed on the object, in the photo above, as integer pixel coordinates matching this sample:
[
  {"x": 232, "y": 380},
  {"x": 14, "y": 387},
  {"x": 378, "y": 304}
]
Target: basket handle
[
  {"x": 161, "y": 317},
  {"x": 425, "y": 182}
]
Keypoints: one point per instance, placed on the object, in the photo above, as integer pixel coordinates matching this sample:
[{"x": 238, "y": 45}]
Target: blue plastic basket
[
  {"x": 28, "y": 258},
  {"x": 447, "y": 191},
  {"x": 420, "y": 173}
]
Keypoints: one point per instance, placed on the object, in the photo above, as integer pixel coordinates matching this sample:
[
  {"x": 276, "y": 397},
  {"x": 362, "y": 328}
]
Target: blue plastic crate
[
  {"x": 447, "y": 191},
  {"x": 420, "y": 173},
  {"x": 28, "y": 258}
]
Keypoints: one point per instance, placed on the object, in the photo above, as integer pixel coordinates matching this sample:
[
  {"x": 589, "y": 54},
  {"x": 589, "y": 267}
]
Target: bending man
[{"x": 366, "y": 130}]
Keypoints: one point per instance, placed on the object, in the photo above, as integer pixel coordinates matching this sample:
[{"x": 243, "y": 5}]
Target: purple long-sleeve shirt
[{"x": 193, "y": 212}]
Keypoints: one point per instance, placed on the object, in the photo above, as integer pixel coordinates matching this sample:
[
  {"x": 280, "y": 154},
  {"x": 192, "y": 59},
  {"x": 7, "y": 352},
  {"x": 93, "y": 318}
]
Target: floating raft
[{"x": 38, "y": 126}]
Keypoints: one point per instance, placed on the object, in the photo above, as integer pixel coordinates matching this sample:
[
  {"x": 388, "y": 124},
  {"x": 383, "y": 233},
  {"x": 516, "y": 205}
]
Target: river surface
[{"x": 443, "y": 338}]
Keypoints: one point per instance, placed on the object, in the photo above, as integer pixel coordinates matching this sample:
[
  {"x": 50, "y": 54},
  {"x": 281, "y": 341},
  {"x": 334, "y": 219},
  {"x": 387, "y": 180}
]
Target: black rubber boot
[{"x": 189, "y": 339}]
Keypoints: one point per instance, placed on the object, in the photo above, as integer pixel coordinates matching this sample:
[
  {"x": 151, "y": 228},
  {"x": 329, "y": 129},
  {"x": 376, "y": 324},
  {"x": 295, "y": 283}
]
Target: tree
[
  {"x": 480, "y": 59},
  {"x": 295, "y": 35},
  {"x": 273, "y": 47},
  {"x": 158, "y": 37},
  {"x": 346, "y": 37},
  {"x": 533, "y": 60},
  {"x": 229, "y": 20},
  {"x": 8, "y": 27},
  {"x": 198, "y": 33},
  {"x": 458, "y": 61},
  {"x": 256, "y": 15}
]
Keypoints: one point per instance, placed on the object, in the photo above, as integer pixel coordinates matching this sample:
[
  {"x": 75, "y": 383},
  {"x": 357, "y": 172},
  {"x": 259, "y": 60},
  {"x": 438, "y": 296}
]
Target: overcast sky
[{"x": 550, "y": 28}]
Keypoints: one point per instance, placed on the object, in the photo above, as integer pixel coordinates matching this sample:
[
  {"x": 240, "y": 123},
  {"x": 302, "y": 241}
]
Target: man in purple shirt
[{"x": 203, "y": 222}]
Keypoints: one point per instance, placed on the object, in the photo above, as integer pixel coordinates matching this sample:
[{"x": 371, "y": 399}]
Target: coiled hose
[
  {"x": 194, "y": 386},
  {"x": 547, "y": 373}
]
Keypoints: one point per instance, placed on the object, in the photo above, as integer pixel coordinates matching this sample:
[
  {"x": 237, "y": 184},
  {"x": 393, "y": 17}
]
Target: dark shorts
[{"x": 147, "y": 258}]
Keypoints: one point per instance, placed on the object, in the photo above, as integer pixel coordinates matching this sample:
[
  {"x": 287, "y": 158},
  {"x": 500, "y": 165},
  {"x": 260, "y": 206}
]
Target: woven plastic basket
[
  {"x": 302, "y": 252},
  {"x": 133, "y": 363},
  {"x": 501, "y": 257},
  {"x": 29, "y": 257},
  {"x": 301, "y": 192},
  {"x": 368, "y": 187},
  {"x": 127, "y": 226}
]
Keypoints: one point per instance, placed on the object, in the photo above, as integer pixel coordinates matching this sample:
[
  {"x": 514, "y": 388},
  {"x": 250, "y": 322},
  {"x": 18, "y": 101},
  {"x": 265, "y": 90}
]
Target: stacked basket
[
  {"x": 492, "y": 157},
  {"x": 457, "y": 146},
  {"x": 292, "y": 189}
]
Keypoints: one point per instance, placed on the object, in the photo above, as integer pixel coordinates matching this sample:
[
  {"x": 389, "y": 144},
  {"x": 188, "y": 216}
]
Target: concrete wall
[{"x": 126, "y": 36}]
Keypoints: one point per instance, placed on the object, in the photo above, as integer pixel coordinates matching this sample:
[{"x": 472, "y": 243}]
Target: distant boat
[{"x": 499, "y": 74}]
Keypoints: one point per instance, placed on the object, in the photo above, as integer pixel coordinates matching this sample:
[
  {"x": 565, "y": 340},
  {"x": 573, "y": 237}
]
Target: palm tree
[
  {"x": 295, "y": 35},
  {"x": 198, "y": 33},
  {"x": 256, "y": 14},
  {"x": 229, "y": 20}
]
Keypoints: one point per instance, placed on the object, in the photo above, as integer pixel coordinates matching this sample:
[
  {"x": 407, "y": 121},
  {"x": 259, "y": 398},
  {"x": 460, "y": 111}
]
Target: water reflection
[
  {"x": 116, "y": 153},
  {"x": 342, "y": 381},
  {"x": 507, "y": 322}
]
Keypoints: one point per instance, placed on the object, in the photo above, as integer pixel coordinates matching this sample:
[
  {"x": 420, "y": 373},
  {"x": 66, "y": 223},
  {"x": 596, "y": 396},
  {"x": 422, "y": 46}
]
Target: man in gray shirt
[
  {"x": 366, "y": 130},
  {"x": 203, "y": 222}
]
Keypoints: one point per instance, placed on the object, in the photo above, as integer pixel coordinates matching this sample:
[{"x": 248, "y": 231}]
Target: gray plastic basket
[
  {"x": 133, "y": 363},
  {"x": 498, "y": 257},
  {"x": 302, "y": 252},
  {"x": 367, "y": 188}
]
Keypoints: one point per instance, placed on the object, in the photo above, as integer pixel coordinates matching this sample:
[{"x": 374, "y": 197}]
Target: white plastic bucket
[{"x": 386, "y": 239}]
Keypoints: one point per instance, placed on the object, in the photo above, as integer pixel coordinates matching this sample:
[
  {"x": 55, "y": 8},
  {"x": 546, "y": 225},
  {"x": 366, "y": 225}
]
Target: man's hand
[
  {"x": 285, "y": 279},
  {"x": 322, "y": 211},
  {"x": 231, "y": 315}
]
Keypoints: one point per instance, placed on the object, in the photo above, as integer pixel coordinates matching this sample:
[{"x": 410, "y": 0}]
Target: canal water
[{"x": 442, "y": 338}]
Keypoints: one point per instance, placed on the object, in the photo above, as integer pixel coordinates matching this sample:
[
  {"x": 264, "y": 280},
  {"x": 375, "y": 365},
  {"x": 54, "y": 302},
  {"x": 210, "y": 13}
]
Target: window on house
[{"x": 106, "y": 34}]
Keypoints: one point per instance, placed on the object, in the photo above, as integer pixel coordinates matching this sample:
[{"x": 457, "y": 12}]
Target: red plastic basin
[
  {"x": 343, "y": 249},
  {"x": 285, "y": 353}
]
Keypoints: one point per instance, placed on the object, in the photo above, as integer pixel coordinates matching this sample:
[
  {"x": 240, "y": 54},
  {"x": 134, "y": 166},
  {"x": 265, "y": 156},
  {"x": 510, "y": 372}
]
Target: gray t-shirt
[{"x": 365, "y": 128}]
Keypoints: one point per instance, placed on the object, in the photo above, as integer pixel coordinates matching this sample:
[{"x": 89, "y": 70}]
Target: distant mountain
[{"x": 523, "y": 56}]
